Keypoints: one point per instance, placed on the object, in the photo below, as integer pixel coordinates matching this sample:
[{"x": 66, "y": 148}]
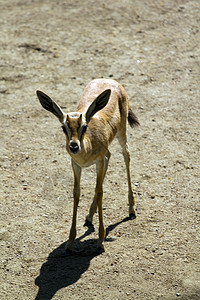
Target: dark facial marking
[
  {"x": 64, "y": 129},
  {"x": 84, "y": 129}
]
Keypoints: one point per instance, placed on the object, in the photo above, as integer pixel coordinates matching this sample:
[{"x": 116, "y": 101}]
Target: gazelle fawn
[{"x": 102, "y": 114}]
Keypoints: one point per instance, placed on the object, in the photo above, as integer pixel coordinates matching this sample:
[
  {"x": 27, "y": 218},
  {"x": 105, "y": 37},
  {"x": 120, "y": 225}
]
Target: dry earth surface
[{"x": 152, "y": 47}]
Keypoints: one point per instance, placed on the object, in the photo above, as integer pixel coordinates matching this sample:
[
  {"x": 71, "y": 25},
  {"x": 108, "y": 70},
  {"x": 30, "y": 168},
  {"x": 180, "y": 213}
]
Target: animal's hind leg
[
  {"x": 131, "y": 199},
  {"x": 93, "y": 207}
]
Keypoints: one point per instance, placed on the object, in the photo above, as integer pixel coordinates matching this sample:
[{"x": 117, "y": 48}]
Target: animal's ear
[
  {"x": 99, "y": 103},
  {"x": 50, "y": 105}
]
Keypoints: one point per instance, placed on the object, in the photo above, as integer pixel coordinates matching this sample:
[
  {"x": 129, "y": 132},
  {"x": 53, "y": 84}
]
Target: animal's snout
[{"x": 74, "y": 147}]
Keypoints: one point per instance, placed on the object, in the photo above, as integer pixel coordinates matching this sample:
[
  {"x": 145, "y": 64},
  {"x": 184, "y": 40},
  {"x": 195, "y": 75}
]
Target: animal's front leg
[
  {"x": 76, "y": 193},
  {"x": 99, "y": 196},
  {"x": 93, "y": 207}
]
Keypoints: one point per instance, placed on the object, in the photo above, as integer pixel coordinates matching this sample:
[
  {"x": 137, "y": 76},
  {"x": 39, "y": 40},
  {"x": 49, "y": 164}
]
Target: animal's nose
[{"x": 74, "y": 147}]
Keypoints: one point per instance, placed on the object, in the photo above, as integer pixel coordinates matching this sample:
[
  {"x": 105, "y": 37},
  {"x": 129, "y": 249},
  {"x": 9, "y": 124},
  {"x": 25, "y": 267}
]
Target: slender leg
[
  {"x": 93, "y": 207},
  {"x": 99, "y": 196},
  {"x": 76, "y": 193},
  {"x": 131, "y": 199}
]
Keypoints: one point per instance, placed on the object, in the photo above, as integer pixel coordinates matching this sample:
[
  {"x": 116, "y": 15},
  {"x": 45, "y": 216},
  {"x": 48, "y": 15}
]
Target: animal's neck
[{"x": 86, "y": 145}]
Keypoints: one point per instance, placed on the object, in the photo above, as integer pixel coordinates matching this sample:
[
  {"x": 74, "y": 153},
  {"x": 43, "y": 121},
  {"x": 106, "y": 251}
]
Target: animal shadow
[{"x": 63, "y": 270}]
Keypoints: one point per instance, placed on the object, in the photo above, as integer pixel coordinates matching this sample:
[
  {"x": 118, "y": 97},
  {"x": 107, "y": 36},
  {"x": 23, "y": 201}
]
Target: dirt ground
[{"x": 152, "y": 47}]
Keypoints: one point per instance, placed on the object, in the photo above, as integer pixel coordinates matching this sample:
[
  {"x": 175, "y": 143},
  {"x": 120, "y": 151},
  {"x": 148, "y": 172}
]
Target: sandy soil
[{"x": 152, "y": 48}]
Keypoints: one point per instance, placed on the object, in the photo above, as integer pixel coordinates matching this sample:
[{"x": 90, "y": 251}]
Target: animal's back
[{"x": 96, "y": 87}]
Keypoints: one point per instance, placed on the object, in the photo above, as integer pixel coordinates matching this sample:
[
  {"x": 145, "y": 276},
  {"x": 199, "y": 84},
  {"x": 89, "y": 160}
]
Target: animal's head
[{"x": 74, "y": 124}]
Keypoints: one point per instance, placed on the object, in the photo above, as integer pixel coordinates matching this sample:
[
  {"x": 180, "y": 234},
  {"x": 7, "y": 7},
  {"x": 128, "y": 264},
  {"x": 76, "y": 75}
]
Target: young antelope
[{"x": 102, "y": 114}]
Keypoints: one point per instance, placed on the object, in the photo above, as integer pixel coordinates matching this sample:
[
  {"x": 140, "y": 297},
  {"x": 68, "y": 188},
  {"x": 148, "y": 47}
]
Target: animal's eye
[
  {"x": 64, "y": 129},
  {"x": 84, "y": 129}
]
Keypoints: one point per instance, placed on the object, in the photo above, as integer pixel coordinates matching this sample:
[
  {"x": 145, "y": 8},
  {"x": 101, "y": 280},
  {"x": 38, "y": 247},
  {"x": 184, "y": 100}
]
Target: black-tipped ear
[
  {"x": 50, "y": 105},
  {"x": 99, "y": 103}
]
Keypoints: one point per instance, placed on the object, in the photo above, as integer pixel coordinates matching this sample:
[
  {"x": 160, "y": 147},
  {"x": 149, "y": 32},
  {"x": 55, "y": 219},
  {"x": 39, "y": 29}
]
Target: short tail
[{"x": 132, "y": 119}]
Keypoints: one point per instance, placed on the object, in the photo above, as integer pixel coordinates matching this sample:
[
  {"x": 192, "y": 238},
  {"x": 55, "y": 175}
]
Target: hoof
[
  {"x": 132, "y": 216},
  {"x": 88, "y": 223},
  {"x": 68, "y": 252},
  {"x": 100, "y": 247},
  {"x": 100, "y": 250}
]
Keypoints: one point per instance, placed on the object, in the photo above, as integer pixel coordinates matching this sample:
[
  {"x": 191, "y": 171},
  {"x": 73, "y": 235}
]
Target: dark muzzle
[{"x": 74, "y": 147}]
